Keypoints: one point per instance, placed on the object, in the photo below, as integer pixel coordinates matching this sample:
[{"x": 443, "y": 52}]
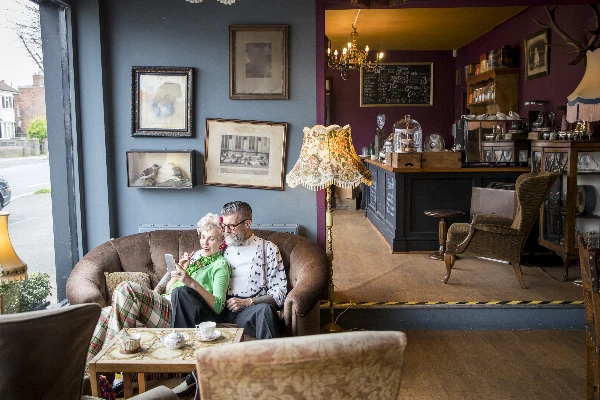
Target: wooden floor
[
  {"x": 540, "y": 365},
  {"x": 366, "y": 270},
  {"x": 490, "y": 365}
]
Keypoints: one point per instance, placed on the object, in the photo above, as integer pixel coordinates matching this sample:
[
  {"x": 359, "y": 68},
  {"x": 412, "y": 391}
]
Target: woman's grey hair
[
  {"x": 208, "y": 222},
  {"x": 243, "y": 209}
]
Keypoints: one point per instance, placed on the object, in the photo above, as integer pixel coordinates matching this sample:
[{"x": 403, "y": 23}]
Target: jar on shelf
[
  {"x": 492, "y": 61},
  {"x": 408, "y": 136}
]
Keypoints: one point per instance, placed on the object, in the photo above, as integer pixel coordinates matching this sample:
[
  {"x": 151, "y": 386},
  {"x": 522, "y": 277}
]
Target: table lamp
[
  {"x": 328, "y": 158},
  {"x": 11, "y": 266},
  {"x": 584, "y": 103}
]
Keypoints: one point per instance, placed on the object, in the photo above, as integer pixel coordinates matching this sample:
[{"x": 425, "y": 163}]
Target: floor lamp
[
  {"x": 584, "y": 103},
  {"x": 328, "y": 158}
]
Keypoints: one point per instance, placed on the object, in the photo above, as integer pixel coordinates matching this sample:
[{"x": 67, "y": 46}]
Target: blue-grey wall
[{"x": 112, "y": 36}]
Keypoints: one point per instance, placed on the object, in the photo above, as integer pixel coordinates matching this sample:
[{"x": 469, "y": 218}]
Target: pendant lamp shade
[{"x": 584, "y": 103}]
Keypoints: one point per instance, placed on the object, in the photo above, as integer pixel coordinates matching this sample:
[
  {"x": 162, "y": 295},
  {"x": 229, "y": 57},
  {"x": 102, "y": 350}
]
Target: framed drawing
[
  {"x": 536, "y": 54},
  {"x": 248, "y": 154},
  {"x": 161, "y": 101},
  {"x": 156, "y": 169},
  {"x": 258, "y": 62}
]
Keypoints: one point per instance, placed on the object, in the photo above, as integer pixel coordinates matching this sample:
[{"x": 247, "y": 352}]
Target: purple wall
[
  {"x": 562, "y": 79},
  {"x": 345, "y": 100}
]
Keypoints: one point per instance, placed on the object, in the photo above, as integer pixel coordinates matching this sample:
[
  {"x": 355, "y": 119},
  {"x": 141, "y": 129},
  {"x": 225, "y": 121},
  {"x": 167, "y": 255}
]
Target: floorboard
[{"x": 366, "y": 270}]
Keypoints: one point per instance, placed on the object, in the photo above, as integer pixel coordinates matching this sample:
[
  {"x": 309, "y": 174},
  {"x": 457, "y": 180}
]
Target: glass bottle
[{"x": 408, "y": 136}]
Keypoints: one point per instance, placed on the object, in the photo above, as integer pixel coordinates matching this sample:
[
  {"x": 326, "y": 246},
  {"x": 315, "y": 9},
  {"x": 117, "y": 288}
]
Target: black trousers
[
  {"x": 189, "y": 308},
  {"x": 258, "y": 320}
]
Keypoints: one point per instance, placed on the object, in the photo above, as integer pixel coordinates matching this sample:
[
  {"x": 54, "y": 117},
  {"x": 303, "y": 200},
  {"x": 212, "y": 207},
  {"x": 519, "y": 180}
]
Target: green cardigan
[{"x": 214, "y": 278}]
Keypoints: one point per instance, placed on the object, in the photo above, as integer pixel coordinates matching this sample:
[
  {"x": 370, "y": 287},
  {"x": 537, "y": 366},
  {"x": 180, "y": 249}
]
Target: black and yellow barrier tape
[{"x": 451, "y": 303}]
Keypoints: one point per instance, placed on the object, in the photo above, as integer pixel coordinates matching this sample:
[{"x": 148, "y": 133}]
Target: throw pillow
[{"x": 114, "y": 278}]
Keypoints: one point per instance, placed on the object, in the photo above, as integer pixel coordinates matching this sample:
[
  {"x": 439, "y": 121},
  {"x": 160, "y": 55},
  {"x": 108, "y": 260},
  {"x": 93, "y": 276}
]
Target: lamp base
[{"x": 332, "y": 327}]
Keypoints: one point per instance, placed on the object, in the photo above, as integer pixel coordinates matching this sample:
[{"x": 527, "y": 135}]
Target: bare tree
[{"x": 24, "y": 19}]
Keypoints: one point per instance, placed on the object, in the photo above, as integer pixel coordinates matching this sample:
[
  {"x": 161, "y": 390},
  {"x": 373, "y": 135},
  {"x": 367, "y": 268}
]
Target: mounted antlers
[{"x": 581, "y": 49}]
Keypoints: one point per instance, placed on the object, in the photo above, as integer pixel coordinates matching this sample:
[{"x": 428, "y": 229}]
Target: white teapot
[{"x": 173, "y": 340}]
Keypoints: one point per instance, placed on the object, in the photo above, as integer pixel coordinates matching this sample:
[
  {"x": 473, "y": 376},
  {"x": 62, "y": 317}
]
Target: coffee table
[{"x": 154, "y": 356}]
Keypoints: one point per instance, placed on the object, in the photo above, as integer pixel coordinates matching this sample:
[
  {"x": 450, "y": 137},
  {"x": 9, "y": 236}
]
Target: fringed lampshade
[
  {"x": 328, "y": 158},
  {"x": 584, "y": 103},
  {"x": 11, "y": 266}
]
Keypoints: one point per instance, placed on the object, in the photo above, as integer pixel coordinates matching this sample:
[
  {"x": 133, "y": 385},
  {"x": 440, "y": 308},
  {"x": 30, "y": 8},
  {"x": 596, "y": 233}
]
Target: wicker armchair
[{"x": 501, "y": 238}]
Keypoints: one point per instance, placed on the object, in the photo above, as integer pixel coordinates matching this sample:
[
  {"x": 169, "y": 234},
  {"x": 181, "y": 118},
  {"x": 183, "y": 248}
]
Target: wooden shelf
[{"x": 491, "y": 74}]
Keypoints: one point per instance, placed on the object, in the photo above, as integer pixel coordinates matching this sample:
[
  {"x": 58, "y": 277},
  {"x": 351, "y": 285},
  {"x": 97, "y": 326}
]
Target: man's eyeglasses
[{"x": 233, "y": 226}]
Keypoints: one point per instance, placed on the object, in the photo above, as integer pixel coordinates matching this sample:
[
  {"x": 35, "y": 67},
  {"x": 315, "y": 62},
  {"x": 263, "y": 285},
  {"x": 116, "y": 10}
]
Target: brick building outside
[{"x": 30, "y": 103}]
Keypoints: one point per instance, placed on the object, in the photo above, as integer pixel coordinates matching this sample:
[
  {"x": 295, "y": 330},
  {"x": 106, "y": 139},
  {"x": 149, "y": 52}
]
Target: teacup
[
  {"x": 480, "y": 117},
  {"x": 500, "y": 115},
  {"x": 207, "y": 329},
  {"x": 514, "y": 115},
  {"x": 130, "y": 342},
  {"x": 469, "y": 116}
]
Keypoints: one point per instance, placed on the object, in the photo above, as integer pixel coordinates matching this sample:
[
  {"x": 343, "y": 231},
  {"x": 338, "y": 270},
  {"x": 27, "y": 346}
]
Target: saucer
[
  {"x": 217, "y": 334},
  {"x": 491, "y": 118}
]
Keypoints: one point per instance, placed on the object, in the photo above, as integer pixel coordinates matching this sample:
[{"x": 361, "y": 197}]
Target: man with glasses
[{"x": 257, "y": 288}]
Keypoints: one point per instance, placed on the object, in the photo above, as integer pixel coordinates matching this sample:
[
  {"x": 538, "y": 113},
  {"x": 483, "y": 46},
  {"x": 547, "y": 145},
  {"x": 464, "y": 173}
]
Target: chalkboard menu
[
  {"x": 390, "y": 197},
  {"x": 397, "y": 84}
]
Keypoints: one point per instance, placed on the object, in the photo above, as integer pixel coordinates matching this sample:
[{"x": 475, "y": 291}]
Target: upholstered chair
[
  {"x": 349, "y": 365},
  {"x": 501, "y": 238}
]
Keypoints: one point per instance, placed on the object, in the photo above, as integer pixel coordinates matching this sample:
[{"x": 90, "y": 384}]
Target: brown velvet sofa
[{"x": 305, "y": 264}]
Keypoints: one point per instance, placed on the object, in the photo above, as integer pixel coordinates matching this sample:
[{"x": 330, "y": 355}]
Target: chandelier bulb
[{"x": 367, "y": 48}]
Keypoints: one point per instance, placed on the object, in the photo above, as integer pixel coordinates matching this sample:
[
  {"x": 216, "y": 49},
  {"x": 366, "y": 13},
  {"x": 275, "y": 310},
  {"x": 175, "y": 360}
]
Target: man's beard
[{"x": 231, "y": 239}]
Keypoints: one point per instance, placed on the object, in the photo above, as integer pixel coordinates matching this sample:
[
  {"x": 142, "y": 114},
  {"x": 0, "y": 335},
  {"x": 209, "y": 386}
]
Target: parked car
[{"x": 4, "y": 192}]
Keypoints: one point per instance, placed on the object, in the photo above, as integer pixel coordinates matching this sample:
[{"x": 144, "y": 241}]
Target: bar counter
[{"x": 398, "y": 198}]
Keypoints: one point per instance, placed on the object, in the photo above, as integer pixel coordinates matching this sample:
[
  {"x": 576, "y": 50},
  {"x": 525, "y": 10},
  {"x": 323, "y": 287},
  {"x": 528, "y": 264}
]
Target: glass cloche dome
[{"x": 408, "y": 136}]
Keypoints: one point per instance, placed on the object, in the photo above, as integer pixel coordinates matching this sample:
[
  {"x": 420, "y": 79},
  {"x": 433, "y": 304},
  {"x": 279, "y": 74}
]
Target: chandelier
[
  {"x": 226, "y": 2},
  {"x": 352, "y": 59}
]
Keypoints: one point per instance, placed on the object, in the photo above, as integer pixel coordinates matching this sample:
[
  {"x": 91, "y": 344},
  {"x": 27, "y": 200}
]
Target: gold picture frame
[
  {"x": 161, "y": 103},
  {"x": 258, "y": 62},
  {"x": 248, "y": 154}
]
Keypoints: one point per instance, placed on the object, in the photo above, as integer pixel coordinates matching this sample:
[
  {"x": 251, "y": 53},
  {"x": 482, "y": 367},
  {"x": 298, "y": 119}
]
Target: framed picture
[
  {"x": 536, "y": 54},
  {"x": 154, "y": 169},
  {"x": 161, "y": 101},
  {"x": 258, "y": 62},
  {"x": 248, "y": 154}
]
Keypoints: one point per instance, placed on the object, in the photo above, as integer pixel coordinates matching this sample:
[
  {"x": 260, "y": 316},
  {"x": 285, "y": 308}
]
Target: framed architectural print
[
  {"x": 161, "y": 103},
  {"x": 536, "y": 54},
  {"x": 248, "y": 154},
  {"x": 157, "y": 169},
  {"x": 258, "y": 62}
]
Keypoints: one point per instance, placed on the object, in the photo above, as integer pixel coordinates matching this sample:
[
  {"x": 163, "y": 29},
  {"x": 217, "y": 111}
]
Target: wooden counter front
[{"x": 398, "y": 198}]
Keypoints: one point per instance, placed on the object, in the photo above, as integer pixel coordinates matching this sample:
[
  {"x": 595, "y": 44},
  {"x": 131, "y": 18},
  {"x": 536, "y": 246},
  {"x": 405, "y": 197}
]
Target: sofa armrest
[{"x": 86, "y": 284}]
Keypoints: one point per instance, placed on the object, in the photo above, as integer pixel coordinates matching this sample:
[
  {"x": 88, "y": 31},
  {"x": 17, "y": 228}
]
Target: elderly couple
[{"x": 245, "y": 285}]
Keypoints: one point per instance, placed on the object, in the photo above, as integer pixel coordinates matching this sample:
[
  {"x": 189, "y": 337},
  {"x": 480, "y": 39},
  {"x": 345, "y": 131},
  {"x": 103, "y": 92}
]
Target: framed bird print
[
  {"x": 248, "y": 154},
  {"x": 161, "y": 169},
  {"x": 161, "y": 101}
]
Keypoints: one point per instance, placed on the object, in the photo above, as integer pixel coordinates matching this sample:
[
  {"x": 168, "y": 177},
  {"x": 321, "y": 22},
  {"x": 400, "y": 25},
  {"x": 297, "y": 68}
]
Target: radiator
[{"x": 286, "y": 228}]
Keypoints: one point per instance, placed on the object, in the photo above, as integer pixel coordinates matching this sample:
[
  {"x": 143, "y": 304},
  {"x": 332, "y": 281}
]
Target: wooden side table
[{"x": 443, "y": 215}]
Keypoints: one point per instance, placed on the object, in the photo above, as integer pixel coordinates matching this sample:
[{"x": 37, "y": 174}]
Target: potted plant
[{"x": 27, "y": 295}]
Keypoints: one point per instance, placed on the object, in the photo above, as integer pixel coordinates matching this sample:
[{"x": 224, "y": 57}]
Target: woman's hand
[
  {"x": 181, "y": 275},
  {"x": 236, "y": 305},
  {"x": 184, "y": 261}
]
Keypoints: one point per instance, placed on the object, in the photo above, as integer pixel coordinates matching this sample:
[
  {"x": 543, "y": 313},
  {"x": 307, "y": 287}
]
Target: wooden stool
[{"x": 442, "y": 214}]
